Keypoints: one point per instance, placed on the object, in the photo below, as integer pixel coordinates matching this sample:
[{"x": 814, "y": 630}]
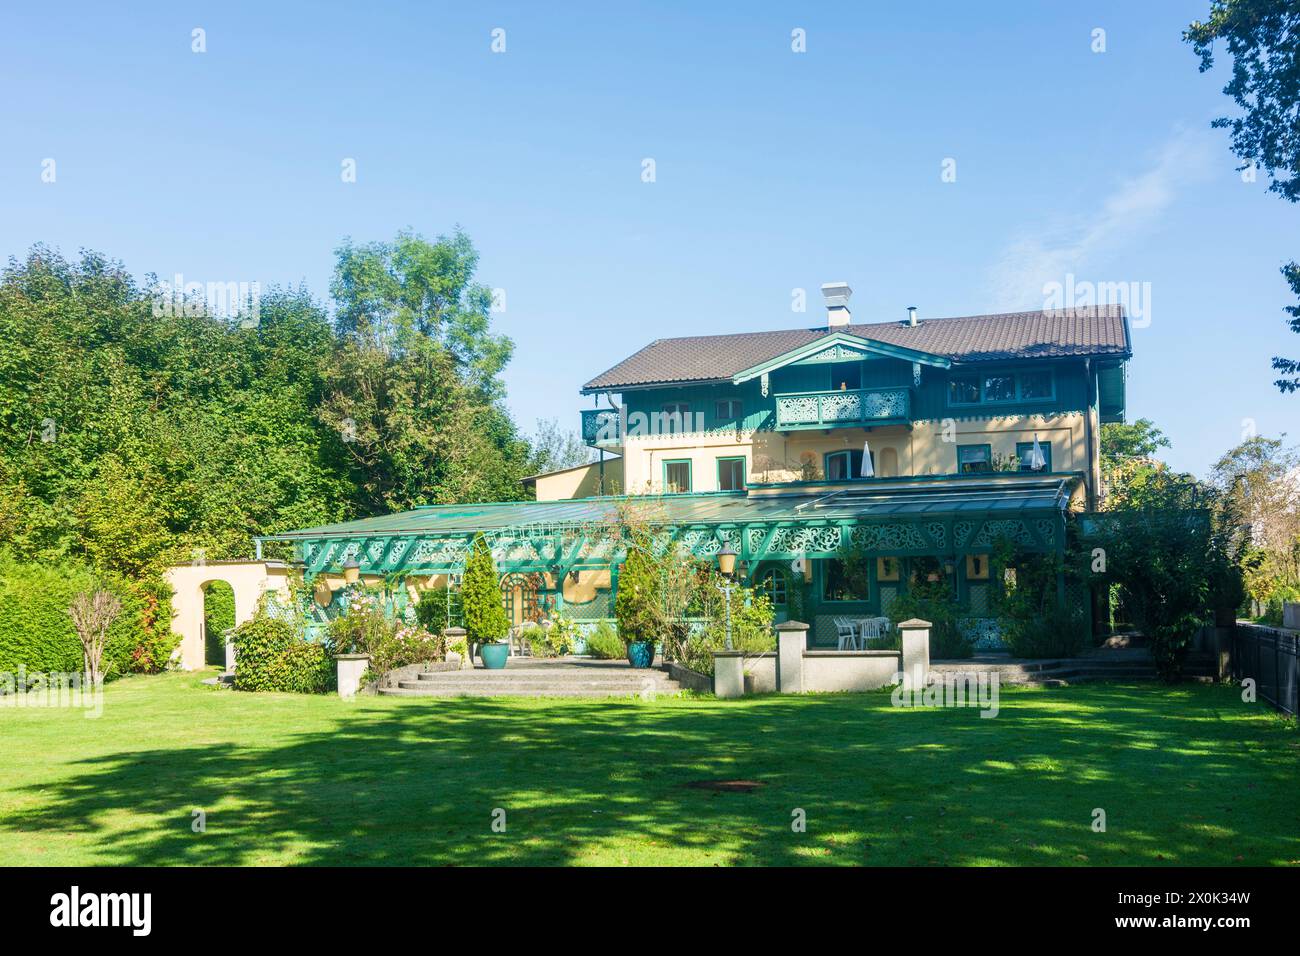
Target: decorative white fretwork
[
  {"x": 842, "y": 407},
  {"x": 890, "y": 537},
  {"x": 1012, "y": 529},
  {"x": 836, "y": 353},
  {"x": 804, "y": 540}
]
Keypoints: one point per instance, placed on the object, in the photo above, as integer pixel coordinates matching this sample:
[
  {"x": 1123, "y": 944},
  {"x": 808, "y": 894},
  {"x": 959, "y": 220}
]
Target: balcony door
[
  {"x": 846, "y": 465},
  {"x": 846, "y": 376}
]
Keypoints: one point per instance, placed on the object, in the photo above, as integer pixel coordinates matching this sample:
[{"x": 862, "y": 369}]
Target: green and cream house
[{"x": 921, "y": 441}]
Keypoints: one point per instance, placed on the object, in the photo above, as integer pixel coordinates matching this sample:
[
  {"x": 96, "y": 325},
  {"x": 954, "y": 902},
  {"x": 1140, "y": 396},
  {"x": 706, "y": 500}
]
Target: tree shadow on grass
[{"x": 1184, "y": 775}]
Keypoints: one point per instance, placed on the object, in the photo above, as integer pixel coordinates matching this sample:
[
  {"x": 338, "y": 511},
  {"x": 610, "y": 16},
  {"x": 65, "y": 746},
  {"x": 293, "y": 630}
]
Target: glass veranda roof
[
  {"x": 816, "y": 502},
  {"x": 950, "y": 515}
]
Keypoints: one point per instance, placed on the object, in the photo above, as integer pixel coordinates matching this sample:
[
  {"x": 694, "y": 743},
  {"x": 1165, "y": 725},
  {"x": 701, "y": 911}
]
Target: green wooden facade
[{"x": 897, "y": 391}]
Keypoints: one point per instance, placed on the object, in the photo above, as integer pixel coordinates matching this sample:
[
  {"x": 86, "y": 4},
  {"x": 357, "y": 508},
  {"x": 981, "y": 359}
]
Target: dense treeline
[{"x": 131, "y": 440}]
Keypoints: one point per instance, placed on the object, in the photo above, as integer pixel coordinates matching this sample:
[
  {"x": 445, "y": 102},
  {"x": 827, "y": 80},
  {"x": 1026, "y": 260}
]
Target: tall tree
[
  {"x": 1131, "y": 473},
  {"x": 1259, "y": 482},
  {"x": 1263, "y": 39},
  {"x": 384, "y": 290}
]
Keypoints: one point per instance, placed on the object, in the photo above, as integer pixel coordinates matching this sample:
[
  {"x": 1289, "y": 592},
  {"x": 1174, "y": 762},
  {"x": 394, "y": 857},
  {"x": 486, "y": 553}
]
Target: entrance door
[{"x": 519, "y": 597}]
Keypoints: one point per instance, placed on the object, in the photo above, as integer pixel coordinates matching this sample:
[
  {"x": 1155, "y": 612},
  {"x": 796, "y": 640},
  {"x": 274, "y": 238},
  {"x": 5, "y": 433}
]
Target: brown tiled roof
[{"x": 1059, "y": 333}]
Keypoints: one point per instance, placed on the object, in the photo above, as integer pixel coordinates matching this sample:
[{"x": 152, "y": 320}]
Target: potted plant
[
  {"x": 637, "y": 605},
  {"x": 486, "y": 623}
]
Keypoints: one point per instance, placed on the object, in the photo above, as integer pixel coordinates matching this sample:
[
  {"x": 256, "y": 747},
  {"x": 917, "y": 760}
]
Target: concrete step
[
  {"x": 520, "y": 688},
  {"x": 576, "y": 675},
  {"x": 595, "y": 683}
]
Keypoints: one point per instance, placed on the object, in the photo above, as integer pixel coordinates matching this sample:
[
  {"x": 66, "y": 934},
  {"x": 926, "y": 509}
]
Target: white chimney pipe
[
  {"x": 911, "y": 315},
  {"x": 837, "y": 304}
]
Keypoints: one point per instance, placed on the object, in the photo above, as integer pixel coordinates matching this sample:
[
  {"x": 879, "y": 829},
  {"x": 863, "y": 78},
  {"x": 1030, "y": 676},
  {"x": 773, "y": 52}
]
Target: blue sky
[{"x": 774, "y": 170}]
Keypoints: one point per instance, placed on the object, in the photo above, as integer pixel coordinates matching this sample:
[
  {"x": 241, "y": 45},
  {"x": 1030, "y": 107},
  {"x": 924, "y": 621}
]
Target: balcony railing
[
  {"x": 600, "y": 427},
  {"x": 838, "y": 409}
]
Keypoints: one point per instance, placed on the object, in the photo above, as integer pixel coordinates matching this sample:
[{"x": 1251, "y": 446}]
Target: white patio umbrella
[
  {"x": 867, "y": 470},
  {"x": 1037, "y": 460}
]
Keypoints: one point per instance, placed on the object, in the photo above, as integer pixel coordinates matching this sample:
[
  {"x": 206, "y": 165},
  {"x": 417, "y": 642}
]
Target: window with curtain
[
  {"x": 677, "y": 476},
  {"x": 1023, "y": 449}
]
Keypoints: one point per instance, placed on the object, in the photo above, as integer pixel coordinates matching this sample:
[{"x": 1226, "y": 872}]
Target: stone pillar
[
  {"x": 791, "y": 642},
  {"x": 916, "y": 652},
  {"x": 453, "y": 634},
  {"x": 729, "y": 674},
  {"x": 351, "y": 667},
  {"x": 1291, "y": 614}
]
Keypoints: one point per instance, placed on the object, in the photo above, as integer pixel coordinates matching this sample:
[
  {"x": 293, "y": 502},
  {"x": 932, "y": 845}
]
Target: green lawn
[{"x": 1189, "y": 775}]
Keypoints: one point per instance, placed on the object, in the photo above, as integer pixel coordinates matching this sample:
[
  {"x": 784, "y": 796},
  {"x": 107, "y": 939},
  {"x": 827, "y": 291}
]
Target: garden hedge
[
  {"x": 37, "y": 634},
  {"x": 270, "y": 654}
]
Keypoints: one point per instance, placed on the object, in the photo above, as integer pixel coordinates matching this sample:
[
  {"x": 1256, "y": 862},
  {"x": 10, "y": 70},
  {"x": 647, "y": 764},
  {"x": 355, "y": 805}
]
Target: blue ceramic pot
[
  {"x": 641, "y": 653},
  {"x": 494, "y": 655}
]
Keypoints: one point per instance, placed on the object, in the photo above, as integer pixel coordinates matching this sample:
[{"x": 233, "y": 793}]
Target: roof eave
[{"x": 590, "y": 389}]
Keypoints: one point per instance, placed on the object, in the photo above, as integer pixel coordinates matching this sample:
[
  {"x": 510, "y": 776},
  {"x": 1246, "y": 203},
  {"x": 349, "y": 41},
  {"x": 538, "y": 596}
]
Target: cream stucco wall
[
  {"x": 927, "y": 448},
  {"x": 581, "y": 482},
  {"x": 644, "y": 458},
  {"x": 249, "y": 580}
]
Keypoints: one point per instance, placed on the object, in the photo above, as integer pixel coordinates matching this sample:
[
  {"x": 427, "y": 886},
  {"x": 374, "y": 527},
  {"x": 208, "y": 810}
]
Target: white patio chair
[
  {"x": 869, "y": 630},
  {"x": 847, "y": 632}
]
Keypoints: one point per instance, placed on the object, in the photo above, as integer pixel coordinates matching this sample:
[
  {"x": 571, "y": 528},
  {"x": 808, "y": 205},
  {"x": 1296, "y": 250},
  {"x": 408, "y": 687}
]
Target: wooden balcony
[
  {"x": 600, "y": 428},
  {"x": 851, "y": 408}
]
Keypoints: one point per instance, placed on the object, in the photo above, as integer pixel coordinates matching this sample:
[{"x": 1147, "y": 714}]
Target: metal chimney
[
  {"x": 911, "y": 315},
  {"x": 837, "y": 304}
]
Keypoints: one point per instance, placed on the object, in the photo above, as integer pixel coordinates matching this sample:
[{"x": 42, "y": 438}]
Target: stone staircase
[
  {"x": 1132, "y": 664},
  {"x": 538, "y": 677}
]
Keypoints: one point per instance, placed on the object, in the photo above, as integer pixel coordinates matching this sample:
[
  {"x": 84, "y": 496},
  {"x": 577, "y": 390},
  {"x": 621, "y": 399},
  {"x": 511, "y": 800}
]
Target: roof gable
[
  {"x": 1057, "y": 333},
  {"x": 838, "y": 346}
]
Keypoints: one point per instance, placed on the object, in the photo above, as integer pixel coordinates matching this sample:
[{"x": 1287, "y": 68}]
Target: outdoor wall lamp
[
  {"x": 727, "y": 560},
  {"x": 727, "y": 565},
  {"x": 351, "y": 571}
]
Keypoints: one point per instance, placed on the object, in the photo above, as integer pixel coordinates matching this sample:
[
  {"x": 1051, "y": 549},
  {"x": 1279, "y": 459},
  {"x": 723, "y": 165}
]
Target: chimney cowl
[{"x": 837, "y": 296}]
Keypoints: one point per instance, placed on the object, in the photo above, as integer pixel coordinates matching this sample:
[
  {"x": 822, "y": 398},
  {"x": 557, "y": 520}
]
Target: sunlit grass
[{"x": 1185, "y": 775}]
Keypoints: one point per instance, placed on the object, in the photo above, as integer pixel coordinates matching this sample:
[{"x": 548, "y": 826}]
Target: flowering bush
[
  {"x": 552, "y": 639},
  {"x": 367, "y": 628}
]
